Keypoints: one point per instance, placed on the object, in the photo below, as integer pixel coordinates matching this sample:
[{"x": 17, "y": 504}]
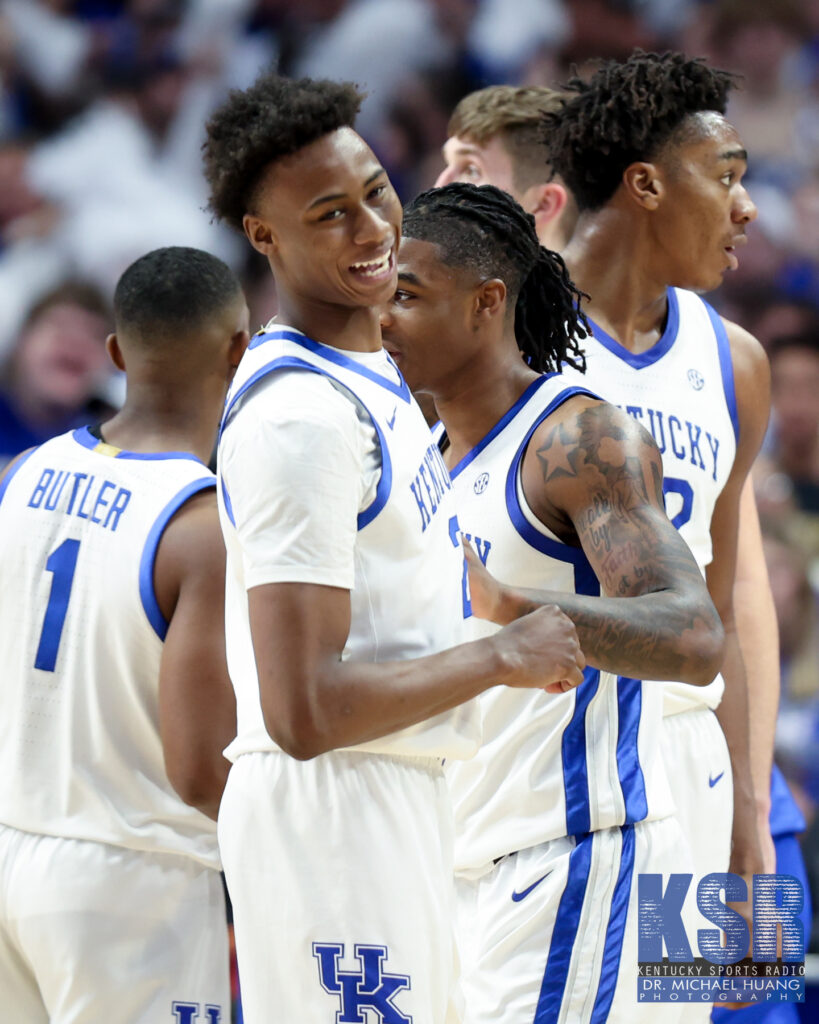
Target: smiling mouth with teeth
[{"x": 374, "y": 269}]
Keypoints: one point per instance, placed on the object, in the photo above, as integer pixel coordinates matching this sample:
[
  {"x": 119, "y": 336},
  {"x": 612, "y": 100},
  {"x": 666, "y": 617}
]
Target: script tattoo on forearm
[{"x": 634, "y": 550}]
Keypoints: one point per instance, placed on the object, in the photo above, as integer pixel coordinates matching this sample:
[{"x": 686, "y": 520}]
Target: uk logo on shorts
[
  {"x": 368, "y": 988},
  {"x": 188, "y": 1013}
]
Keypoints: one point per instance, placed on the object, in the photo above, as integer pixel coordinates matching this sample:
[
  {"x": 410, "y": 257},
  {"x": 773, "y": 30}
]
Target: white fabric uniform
[
  {"x": 552, "y": 766},
  {"x": 80, "y": 752},
  {"x": 328, "y": 475},
  {"x": 682, "y": 391}
]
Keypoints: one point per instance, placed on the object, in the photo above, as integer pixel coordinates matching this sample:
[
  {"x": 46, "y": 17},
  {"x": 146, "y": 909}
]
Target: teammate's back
[
  {"x": 116, "y": 704},
  {"x": 80, "y": 524}
]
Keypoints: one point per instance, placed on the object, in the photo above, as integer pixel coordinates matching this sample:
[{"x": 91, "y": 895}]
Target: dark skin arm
[
  {"x": 313, "y": 701},
  {"x": 197, "y": 707},
  {"x": 594, "y": 477}
]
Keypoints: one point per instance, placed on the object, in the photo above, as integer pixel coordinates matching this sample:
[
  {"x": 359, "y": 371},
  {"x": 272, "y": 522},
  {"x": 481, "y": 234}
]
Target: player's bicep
[{"x": 614, "y": 500}]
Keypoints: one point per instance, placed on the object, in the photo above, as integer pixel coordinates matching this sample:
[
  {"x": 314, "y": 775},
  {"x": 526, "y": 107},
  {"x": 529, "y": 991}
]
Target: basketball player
[
  {"x": 566, "y": 801},
  {"x": 661, "y": 219},
  {"x": 486, "y": 117},
  {"x": 115, "y": 689},
  {"x": 496, "y": 138},
  {"x": 346, "y": 583}
]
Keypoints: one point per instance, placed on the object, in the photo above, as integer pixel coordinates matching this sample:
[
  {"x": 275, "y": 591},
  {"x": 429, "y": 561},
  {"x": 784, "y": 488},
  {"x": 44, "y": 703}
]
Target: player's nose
[
  {"x": 745, "y": 209},
  {"x": 446, "y": 177}
]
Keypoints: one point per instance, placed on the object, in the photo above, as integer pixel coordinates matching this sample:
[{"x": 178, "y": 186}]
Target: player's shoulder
[
  {"x": 747, "y": 353},
  {"x": 585, "y": 434}
]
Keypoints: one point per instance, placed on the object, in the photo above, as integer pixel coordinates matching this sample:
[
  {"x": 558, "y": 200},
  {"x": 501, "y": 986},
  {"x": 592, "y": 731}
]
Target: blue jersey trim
[
  {"x": 726, "y": 365},
  {"x": 509, "y": 415},
  {"x": 83, "y": 436},
  {"x": 333, "y": 355},
  {"x": 629, "y": 770},
  {"x": 585, "y": 580},
  {"x": 146, "y": 562},
  {"x": 564, "y": 933},
  {"x": 613, "y": 947},
  {"x": 639, "y": 360},
  {"x": 573, "y": 755},
  {"x": 227, "y": 501},
  {"x": 573, "y": 742},
  {"x": 384, "y": 487},
  {"x": 10, "y": 473}
]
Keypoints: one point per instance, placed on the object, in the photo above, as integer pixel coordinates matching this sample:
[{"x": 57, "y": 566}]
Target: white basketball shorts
[
  {"x": 98, "y": 934},
  {"x": 340, "y": 874},
  {"x": 698, "y": 766},
  {"x": 550, "y": 935}
]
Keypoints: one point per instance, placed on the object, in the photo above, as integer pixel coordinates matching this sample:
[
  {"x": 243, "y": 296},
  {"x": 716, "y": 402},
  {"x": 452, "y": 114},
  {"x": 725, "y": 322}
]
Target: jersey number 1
[{"x": 61, "y": 564}]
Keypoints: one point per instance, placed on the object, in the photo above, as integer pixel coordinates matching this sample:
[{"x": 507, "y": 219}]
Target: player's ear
[
  {"x": 490, "y": 299},
  {"x": 545, "y": 201},
  {"x": 643, "y": 183},
  {"x": 114, "y": 352},
  {"x": 260, "y": 234},
  {"x": 238, "y": 344}
]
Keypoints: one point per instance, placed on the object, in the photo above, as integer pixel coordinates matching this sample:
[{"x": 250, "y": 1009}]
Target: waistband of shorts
[{"x": 426, "y": 762}]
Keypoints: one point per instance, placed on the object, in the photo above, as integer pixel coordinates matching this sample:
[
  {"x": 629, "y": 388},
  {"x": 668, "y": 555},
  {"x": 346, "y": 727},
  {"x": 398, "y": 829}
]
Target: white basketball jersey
[
  {"x": 551, "y": 765},
  {"x": 409, "y": 597},
  {"x": 82, "y": 632},
  {"x": 682, "y": 391}
]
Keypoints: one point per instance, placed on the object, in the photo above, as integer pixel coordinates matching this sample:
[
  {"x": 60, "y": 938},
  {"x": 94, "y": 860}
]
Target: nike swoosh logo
[
  {"x": 391, "y": 423},
  {"x": 713, "y": 782},
  {"x": 518, "y": 896}
]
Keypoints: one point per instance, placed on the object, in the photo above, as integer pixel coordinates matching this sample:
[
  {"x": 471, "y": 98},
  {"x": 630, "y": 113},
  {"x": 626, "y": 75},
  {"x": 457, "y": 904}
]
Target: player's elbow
[
  {"x": 199, "y": 783},
  {"x": 297, "y": 730},
  {"x": 703, "y": 648}
]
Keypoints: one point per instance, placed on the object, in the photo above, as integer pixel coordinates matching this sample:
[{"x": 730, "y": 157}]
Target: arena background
[{"x": 101, "y": 121}]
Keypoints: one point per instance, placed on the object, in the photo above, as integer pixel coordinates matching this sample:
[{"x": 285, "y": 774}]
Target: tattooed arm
[{"x": 594, "y": 477}]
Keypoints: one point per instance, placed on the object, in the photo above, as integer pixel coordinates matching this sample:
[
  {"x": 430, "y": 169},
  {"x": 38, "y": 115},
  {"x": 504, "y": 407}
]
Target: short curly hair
[
  {"x": 626, "y": 112},
  {"x": 272, "y": 119}
]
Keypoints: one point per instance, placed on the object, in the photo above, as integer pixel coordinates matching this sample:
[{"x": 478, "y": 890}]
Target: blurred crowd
[{"x": 102, "y": 108}]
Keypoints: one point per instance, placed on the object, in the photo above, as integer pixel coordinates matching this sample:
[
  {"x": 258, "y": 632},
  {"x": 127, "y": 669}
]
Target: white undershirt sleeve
[{"x": 293, "y": 463}]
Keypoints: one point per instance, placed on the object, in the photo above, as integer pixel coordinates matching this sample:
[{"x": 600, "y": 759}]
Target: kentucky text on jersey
[
  {"x": 686, "y": 440},
  {"x": 81, "y": 495},
  {"x": 431, "y": 482}
]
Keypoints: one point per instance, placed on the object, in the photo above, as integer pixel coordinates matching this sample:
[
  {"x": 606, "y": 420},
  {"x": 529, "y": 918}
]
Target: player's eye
[
  {"x": 727, "y": 178},
  {"x": 402, "y": 296},
  {"x": 472, "y": 171},
  {"x": 333, "y": 214},
  {"x": 378, "y": 191}
]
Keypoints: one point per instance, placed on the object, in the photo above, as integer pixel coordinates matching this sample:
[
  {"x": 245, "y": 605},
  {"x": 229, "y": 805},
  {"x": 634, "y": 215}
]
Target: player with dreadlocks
[
  {"x": 663, "y": 214},
  {"x": 561, "y": 809}
]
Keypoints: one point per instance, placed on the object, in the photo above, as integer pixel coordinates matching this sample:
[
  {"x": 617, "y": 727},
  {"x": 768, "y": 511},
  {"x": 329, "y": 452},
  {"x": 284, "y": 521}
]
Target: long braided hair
[{"x": 485, "y": 230}]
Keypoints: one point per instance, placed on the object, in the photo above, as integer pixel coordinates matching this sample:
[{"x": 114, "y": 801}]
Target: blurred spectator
[
  {"x": 57, "y": 370},
  {"x": 795, "y": 410}
]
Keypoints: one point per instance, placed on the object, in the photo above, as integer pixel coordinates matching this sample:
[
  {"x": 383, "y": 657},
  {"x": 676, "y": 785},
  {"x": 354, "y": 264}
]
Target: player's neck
[
  {"x": 161, "y": 420},
  {"x": 472, "y": 403},
  {"x": 612, "y": 265},
  {"x": 354, "y": 328}
]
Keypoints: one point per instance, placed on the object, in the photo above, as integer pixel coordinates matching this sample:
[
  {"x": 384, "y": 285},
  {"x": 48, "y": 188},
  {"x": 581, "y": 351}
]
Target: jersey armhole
[
  {"x": 726, "y": 366},
  {"x": 146, "y": 563},
  {"x": 585, "y": 580},
  {"x": 384, "y": 486}
]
